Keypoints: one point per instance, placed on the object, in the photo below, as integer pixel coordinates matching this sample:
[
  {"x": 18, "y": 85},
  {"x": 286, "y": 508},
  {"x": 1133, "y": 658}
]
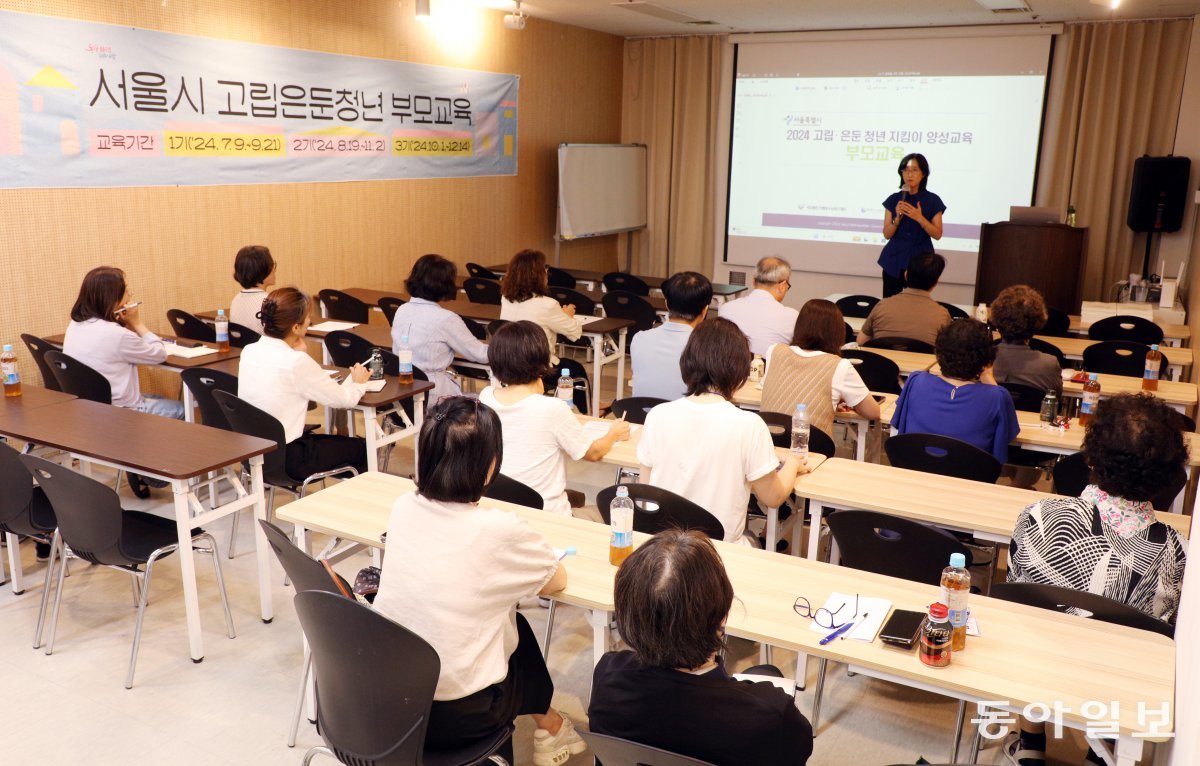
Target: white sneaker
[{"x": 556, "y": 749}]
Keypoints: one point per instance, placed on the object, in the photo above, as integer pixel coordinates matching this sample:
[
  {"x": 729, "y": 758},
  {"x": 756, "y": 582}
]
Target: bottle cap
[
  {"x": 1094, "y": 376},
  {"x": 938, "y": 611},
  {"x": 565, "y": 372},
  {"x": 958, "y": 560},
  {"x": 802, "y": 407},
  {"x": 1154, "y": 346},
  {"x": 404, "y": 339},
  {"x": 220, "y": 312},
  {"x": 8, "y": 347},
  {"x": 622, "y": 491}
]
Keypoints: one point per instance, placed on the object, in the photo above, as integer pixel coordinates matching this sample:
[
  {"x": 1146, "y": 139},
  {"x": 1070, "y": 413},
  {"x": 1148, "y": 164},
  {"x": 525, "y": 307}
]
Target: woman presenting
[{"x": 913, "y": 219}]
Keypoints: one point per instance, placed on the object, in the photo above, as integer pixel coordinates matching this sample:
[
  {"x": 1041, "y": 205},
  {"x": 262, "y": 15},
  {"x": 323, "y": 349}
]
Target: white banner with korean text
[{"x": 97, "y": 105}]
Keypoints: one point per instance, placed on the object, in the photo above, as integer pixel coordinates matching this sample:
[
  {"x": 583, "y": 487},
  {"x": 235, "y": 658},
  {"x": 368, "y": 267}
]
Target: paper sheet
[
  {"x": 868, "y": 620},
  {"x": 330, "y": 325},
  {"x": 375, "y": 386},
  {"x": 598, "y": 428},
  {"x": 587, "y": 319},
  {"x": 188, "y": 353}
]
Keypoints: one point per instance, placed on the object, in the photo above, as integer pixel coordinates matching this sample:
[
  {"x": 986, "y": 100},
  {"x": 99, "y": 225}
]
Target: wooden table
[
  {"x": 721, "y": 291},
  {"x": 1180, "y": 396},
  {"x": 1077, "y": 660},
  {"x": 1179, "y": 359},
  {"x": 166, "y": 449},
  {"x": 1173, "y": 334}
]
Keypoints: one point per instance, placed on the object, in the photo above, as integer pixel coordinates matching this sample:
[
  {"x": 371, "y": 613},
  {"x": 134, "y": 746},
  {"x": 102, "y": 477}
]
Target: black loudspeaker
[{"x": 1158, "y": 194}]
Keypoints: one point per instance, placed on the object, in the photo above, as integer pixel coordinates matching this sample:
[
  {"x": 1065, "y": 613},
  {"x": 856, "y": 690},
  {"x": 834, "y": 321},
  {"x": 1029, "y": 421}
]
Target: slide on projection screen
[{"x": 819, "y": 129}]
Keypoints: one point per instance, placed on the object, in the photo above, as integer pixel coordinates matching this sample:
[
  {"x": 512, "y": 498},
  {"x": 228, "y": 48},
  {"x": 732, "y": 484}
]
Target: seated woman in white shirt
[
  {"x": 812, "y": 365},
  {"x": 254, "y": 270},
  {"x": 443, "y": 547},
  {"x": 539, "y": 431},
  {"x": 706, "y": 449},
  {"x": 277, "y": 375},
  {"x": 435, "y": 334}
]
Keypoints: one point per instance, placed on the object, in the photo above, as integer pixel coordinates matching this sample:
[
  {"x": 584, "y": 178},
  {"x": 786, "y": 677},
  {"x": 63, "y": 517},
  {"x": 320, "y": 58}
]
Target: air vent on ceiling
[
  {"x": 657, "y": 11},
  {"x": 1005, "y": 6}
]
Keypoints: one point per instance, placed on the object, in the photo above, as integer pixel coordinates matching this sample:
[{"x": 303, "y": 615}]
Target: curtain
[
  {"x": 1114, "y": 95},
  {"x": 671, "y": 90}
]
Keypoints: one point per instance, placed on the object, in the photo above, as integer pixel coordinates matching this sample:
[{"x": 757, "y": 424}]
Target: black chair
[
  {"x": 580, "y": 379},
  {"x": 37, "y": 349},
  {"x": 1092, "y": 605},
  {"x": 481, "y": 272},
  {"x": 780, "y": 426},
  {"x": 476, "y": 329},
  {"x": 897, "y": 343},
  {"x": 1058, "y": 324},
  {"x": 468, "y": 372},
  {"x": 92, "y": 524},
  {"x": 202, "y": 381},
  {"x": 482, "y": 290},
  {"x": 388, "y": 305},
  {"x": 556, "y": 277},
  {"x": 241, "y": 336},
  {"x": 955, "y": 311},
  {"x": 619, "y": 281},
  {"x": 1046, "y": 347},
  {"x": 347, "y": 349},
  {"x": 850, "y": 335},
  {"x": 857, "y": 305},
  {"x": 495, "y": 325},
  {"x": 878, "y": 373},
  {"x": 1072, "y": 474},
  {"x": 613, "y": 751},
  {"x": 1025, "y": 398},
  {"x": 1127, "y": 328},
  {"x": 622, "y": 305},
  {"x": 942, "y": 455},
  {"x": 344, "y": 307},
  {"x": 190, "y": 326},
  {"x": 1119, "y": 357},
  {"x": 565, "y": 295},
  {"x": 305, "y": 573},
  {"x": 24, "y": 511},
  {"x": 510, "y": 490},
  {"x": 374, "y": 688},
  {"x": 635, "y": 408}
]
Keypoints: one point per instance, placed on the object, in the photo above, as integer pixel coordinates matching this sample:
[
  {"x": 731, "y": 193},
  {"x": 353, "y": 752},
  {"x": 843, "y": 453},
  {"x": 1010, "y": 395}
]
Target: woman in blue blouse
[{"x": 913, "y": 219}]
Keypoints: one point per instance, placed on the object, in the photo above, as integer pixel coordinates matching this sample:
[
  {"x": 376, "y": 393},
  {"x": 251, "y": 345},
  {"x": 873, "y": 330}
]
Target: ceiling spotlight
[
  {"x": 515, "y": 20},
  {"x": 423, "y": 9}
]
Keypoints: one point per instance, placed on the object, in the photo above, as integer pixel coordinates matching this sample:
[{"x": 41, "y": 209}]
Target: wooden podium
[{"x": 1048, "y": 257}]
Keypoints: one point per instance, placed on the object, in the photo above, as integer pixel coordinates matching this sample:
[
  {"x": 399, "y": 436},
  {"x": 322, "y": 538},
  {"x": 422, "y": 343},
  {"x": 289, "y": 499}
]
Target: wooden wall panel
[{"x": 177, "y": 243}]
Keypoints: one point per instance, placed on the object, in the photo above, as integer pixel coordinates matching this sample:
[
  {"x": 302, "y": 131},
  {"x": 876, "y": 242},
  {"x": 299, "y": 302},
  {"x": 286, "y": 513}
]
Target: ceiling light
[
  {"x": 515, "y": 20},
  {"x": 423, "y": 9}
]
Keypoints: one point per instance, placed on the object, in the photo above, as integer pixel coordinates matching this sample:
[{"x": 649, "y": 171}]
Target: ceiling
[{"x": 631, "y": 18}]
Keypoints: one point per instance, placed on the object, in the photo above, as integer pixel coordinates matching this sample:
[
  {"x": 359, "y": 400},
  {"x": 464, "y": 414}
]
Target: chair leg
[
  {"x": 57, "y": 604},
  {"x": 816, "y": 709},
  {"x": 137, "y": 593},
  {"x": 291, "y": 741},
  {"x": 321, "y": 749},
  {"x": 549, "y": 629},
  {"x": 137, "y": 629},
  {"x": 55, "y": 543},
  {"x": 958, "y": 728},
  {"x": 213, "y": 551},
  {"x": 233, "y": 532}
]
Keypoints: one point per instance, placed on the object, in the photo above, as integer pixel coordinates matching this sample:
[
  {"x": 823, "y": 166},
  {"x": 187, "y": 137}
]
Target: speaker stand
[{"x": 1146, "y": 257}]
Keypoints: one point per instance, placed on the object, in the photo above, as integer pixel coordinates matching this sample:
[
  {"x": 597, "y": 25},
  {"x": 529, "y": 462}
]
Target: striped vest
[{"x": 792, "y": 379}]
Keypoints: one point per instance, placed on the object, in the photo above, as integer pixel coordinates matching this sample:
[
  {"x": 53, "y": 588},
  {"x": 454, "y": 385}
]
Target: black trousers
[
  {"x": 526, "y": 689},
  {"x": 313, "y": 453},
  {"x": 892, "y": 285}
]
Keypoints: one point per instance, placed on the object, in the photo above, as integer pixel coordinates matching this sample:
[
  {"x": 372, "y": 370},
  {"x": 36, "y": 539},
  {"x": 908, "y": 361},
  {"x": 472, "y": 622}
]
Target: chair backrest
[
  {"x": 1091, "y": 605},
  {"x": 893, "y": 546},
  {"x": 556, "y": 277},
  {"x": 88, "y": 512},
  {"x": 344, "y": 307},
  {"x": 1037, "y": 344},
  {"x": 857, "y": 305},
  {"x": 481, "y": 272},
  {"x": 347, "y": 349},
  {"x": 374, "y": 681},
  {"x": 241, "y": 336},
  {"x": 510, "y": 490},
  {"x": 623, "y": 305},
  {"x": 897, "y": 343},
  {"x": 1128, "y": 328},
  {"x": 613, "y": 751},
  {"x": 1072, "y": 474},
  {"x": 1025, "y": 398},
  {"x": 955, "y": 311},
  {"x": 76, "y": 378},
  {"x": 780, "y": 426},
  {"x": 1058, "y": 324},
  {"x": 850, "y": 335},
  {"x": 476, "y": 329},
  {"x": 305, "y": 572},
  {"x": 388, "y": 305},
  {"x": 37, "y": 349},
  {"x": 942, "y": 455},
  {"x": 246, "y": 419},
  {"x": 635, "y": 408},
  {"x": 565, "y": 295},
  {"x": 17, "y": 491},
  {"x": 202, "y": 381},
  {"x": 878, "y": 373},
  {"x": 190, "y": 326},
  {"x": 628, "y": 283},
  {"x": 656, "y": 509},
  {"x": 495, "y": 325},
  {"x": 1119, "y": 357},
  {"x": 482, "y": 290}
]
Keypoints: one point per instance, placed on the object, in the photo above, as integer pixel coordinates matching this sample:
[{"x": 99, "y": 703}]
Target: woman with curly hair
[
  {"x": 1018, "y": 312},
  {"x": 1107, "y": 541},
  {"x": 962, "y": 399}
]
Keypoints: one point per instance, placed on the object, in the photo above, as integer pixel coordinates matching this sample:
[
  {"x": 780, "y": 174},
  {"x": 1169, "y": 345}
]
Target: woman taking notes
[
  {"x": 278, "y": 376},
  {"x": 453, "y": 574},
  {"x": 912, "y": 219}
]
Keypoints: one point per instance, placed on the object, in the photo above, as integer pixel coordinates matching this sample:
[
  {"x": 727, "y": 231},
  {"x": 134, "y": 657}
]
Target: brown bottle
[
  {"x": 1150, "y": 374},
  {"x": 1091, "y": 398}
]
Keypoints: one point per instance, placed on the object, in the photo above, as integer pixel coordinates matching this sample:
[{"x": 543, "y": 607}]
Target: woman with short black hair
[
  {"x": 912, "y": 219},
  {"x": 453, "y": 574},
  {"x": 671, "y": 691},
  {"x": 254, "y": 269}
]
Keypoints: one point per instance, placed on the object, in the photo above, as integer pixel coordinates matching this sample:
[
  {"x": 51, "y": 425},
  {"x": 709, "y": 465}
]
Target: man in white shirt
[
  {"x": 655, "y": 352},
  {"x": 761, "y": 315}
]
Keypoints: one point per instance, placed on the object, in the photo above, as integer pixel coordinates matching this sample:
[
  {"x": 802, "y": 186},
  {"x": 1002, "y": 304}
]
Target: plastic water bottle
[
  {"x": 981, "y": 312},
  {"x": 1150, "y": 372},
  {"x": 565, "y": 390},
  {"x": 12, "y": 376},
  {"x": 404, "y": 354},
  {"x": 800, "y": 431},
  {"x": 1091, "y": 399},
  {"x": 620, "y": 517},
  {"x": 375, "y": 364},
  {"x": 956, "y": 587},
  {"x": 222, "y": 331}
]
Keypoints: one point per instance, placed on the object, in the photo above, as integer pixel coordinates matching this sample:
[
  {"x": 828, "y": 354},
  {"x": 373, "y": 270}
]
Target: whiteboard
[{"x": 601, "y": 189}]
